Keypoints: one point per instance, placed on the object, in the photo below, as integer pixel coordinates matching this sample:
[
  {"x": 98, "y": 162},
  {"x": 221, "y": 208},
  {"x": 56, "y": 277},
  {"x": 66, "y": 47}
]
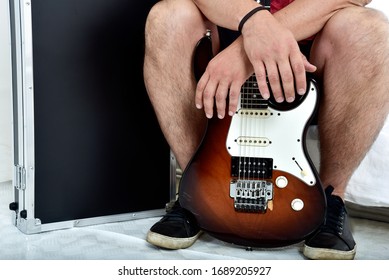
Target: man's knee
[
  {"x": 172, "y": 16},
  {"x": 355, "y": 34},
  {"x": 357, "y": 26}
]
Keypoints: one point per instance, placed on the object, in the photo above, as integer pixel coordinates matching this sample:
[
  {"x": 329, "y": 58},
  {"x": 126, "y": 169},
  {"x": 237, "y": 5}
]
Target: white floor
[{"x": 126, "y": 240}]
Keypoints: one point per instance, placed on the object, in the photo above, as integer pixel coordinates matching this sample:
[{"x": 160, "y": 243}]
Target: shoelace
[
  {"x": 176, "y": 212},
  {"x": 335, "y": 215}
]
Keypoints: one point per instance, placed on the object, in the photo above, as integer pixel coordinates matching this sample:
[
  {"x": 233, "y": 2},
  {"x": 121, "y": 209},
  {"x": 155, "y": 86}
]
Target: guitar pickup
[
  {"x": 252, "y": 168},
  {"x": 259, "y": 113},
  {"x": 253, "y": 141}
]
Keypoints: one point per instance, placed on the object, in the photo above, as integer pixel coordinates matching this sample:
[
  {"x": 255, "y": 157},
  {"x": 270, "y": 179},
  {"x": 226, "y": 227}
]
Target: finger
[
  {"x": 287, "y": 80},
  {"x": 220, "y": 98},
  {"x": 200, "y": 90},
  {"x": 235, "y": 91},
  {"x": 260, "y": 74},
  {"x": 209, "y": 98},
  {"x": 297, "y": 64},
  {"x": 309, "y": 67},
  {"x": 275, "y": 82}
]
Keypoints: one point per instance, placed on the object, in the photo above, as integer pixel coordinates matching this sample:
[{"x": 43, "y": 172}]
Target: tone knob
[
  {"x": 297, "y": 204},
  {"x": 281, "y": 182}
]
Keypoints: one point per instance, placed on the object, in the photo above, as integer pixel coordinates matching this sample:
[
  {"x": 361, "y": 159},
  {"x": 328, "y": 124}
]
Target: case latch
[{"x": 20, "y": 177}]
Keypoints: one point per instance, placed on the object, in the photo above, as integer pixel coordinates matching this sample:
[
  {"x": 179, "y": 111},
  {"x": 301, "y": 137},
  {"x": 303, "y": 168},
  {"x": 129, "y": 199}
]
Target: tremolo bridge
[{"x": 250, "y": 191}]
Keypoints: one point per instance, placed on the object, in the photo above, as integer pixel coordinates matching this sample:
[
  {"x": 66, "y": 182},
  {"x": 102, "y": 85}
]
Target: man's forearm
[
  {"x": 226, "y": 13},
  {"x": 307, "y": 17},
  {"x": 303, "y": 17}
]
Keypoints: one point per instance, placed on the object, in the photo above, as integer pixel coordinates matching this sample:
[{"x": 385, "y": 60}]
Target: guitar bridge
[{"x": 251, "y": 195}]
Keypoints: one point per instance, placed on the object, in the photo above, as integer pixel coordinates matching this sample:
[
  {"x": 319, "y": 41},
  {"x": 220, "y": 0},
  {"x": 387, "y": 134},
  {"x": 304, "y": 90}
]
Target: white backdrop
[{"x": 5, "y": 88}]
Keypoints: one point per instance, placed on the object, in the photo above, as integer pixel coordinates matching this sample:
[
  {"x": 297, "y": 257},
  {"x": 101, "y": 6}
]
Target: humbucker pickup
[{"x": 250, "y": 167}]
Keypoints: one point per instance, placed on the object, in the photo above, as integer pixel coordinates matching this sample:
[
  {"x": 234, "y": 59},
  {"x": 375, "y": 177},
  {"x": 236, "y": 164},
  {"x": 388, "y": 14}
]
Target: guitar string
[
  {"x": 252, "y": 168},
  {"x": 243, "y": 133},
  {"x": 252, "y": 130},
  {"x": 255, "y": 161},
  {"x": 258, "y": 130},
  {"x": 246, "y": 135},
  {"x": 262, "y": 122},
  {"x": 242, "y": 168},
  {"x": 239, "y": 158},
  {"x": 249, "y": 131},
  {"x": 247, "y": 107}
]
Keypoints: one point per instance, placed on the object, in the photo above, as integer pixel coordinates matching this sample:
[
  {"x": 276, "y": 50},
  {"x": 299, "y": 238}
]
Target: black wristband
[{"x": 249, "y": 15}]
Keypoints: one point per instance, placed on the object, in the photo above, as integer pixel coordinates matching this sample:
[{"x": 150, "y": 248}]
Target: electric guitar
[{"x": 251, "y": 181}]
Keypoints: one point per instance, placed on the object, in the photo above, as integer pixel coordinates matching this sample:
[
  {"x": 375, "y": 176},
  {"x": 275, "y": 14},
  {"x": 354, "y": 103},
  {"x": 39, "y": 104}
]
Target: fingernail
[
  {"x": 280, "y": 99},
  {"x": 265, "y": 95},
  {"x": 220, "y": 116},
  {"x": 301, "y": 91},
  {"x": 198, "y": 106},
  {"x": 230, "y": 113},
  {"x": 209, "y": 116},
  {"x": 290, "y": 99}
]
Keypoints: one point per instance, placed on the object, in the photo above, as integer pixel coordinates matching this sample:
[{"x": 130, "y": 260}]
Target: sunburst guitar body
[{"x": 251, "y": 181}]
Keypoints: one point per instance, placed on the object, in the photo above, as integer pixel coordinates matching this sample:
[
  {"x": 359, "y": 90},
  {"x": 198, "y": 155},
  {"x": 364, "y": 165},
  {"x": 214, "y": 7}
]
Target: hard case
[{"x": 87, "y": 145}]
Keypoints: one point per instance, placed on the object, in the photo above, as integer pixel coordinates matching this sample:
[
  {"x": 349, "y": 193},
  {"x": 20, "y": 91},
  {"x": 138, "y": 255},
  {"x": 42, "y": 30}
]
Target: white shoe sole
[
  {"x": 168, "y": 242},
  {"x": 328, "y": 254}
]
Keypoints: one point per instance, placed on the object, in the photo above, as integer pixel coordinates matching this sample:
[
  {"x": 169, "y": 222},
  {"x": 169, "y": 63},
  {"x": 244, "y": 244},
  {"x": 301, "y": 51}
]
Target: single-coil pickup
[
  {"x": 253, "y": 141},
  {"x": 255, "y": 113}
]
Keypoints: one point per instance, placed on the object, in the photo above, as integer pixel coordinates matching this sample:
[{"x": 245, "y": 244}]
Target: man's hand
[
  {"x": 224, "y": 76},
  {"x": 275, "y": 55}
]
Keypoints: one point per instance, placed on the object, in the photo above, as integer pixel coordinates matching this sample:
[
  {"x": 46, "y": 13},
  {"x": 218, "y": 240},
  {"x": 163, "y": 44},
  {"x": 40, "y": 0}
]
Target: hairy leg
[
  {"x": 352, "y": 55},
  {"x": 173, "y": 28}
]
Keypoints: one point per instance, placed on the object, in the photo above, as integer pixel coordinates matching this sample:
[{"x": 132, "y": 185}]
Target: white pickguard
[{"x": 278, "y": 135}]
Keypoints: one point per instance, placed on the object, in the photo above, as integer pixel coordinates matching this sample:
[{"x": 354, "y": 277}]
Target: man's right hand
[{"x": 275, "y": 56}]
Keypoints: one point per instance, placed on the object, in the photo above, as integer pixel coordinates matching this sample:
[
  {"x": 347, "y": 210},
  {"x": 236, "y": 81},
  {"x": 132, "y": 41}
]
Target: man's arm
[
  {"x": 270, "y": 44},
  {"x": 307, "y": 17},
  {"x": 303, "y": 17}
]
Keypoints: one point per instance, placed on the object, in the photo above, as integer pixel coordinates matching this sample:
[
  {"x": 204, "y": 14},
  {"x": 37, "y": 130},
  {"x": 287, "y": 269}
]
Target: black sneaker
[
  {"x": 333, "y": 240},
  {"x": 178, "y": 229}
]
